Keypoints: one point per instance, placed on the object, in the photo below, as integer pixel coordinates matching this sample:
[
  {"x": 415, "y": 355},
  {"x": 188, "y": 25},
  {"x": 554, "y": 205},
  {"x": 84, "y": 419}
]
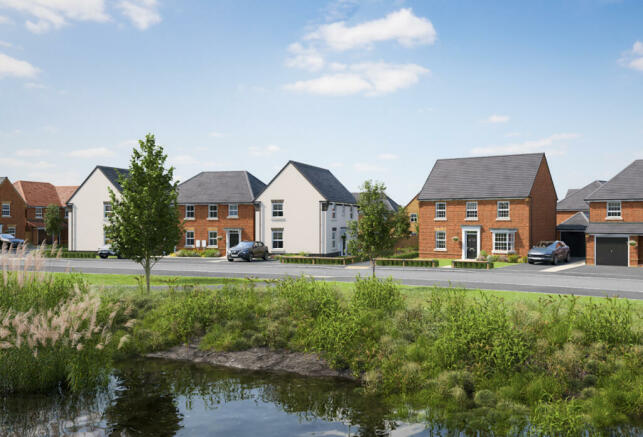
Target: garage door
[
  {"x": 611, "y": 251},
  {"x": 576, "y": 243}
]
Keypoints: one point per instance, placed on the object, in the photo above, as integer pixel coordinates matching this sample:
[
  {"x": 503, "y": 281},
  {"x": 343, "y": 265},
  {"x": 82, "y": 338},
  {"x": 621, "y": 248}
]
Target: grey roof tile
[
  {"x": 576, "y": 200},
  {"x": 577, "y": 222},
  {"x": 325, "y": 182},
  {"x": 615, "y": 228},
  {"x": 391, "y": 204},
  {"x": 627, "y": 185},
  {"x": 220, "y": 187},
  {"x": 112, "y": 173},
  {"x": 489, "y": 177}
]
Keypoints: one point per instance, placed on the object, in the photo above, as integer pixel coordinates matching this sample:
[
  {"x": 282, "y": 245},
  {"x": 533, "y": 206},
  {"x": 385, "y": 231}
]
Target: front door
[
  {"x": 472, "y": 245},
  {"x": 233, "y": 238}
]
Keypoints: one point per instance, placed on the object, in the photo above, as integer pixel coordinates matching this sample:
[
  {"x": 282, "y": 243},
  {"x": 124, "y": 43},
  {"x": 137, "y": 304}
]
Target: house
[
  {"x": 572, "y": 217},
  {"x": 499, "y": 204},
  {"x": 389, "y": 203},
  {"x": 305, "y": 209},
  {"x": 616, "y": 220},
  {"x": 218, "y": 209},
  {"x": 12, "y": 215},
  {"x": 89, "y": 207},
  {"x": 413, "y": 210},
  {"x": 38, "y": 196}
]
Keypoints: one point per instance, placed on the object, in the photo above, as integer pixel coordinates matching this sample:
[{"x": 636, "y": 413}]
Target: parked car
[
  {"x": 106, "y": 251},
  {"x": 10, "y": 240},
  {"x": 549, "y": 251},
  {"x": 247, "y": 250}
]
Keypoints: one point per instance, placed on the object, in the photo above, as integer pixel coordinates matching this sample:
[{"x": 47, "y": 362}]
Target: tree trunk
[
  {"x": 373, "y": 265},
  {"x": 148, "y": 272}
]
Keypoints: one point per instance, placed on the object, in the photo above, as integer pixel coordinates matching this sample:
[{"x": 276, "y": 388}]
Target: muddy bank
[{"x": 305, "y": 364}]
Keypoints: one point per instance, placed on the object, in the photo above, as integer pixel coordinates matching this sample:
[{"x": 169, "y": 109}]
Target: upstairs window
[
  {"x": 614, "y": 209},
  {"x": 413, "y": 217},
  {"x": 503, "y": 209},
  {"x": 189, "y": 212},
  {"x": 39, "y": 212},
  {"x": 472, "y": 210},
  {"x": 277, "y": 208},
  {"x": 233, "y": 210},
  {"x": 6, "y": 210},
  {"x": 351, "y": 211},
  {"x": 213, "y": 211},
  {"x": 107, "y": 210},
  {"x": 333, "y": 211},
  {"x": 440, "y": 210}
]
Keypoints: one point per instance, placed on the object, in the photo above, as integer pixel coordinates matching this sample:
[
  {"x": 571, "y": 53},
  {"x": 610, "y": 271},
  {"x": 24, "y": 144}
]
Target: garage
[
  {"x": 576, "y": 243},
  {"x": 612, "y": 251}
]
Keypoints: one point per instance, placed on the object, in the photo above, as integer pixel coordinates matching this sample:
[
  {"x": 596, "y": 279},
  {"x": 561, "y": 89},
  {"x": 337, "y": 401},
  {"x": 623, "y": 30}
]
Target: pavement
[{"x": 576, "y": 278}]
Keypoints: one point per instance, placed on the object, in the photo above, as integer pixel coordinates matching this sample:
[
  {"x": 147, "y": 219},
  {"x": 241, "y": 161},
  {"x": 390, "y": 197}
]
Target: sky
[{"x": 369, "y": 89}]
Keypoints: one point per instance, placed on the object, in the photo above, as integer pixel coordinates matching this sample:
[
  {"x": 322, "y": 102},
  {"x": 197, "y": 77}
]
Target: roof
[
  {"x": 112, "y": 173},
  {"x": 2, "y": 179},
  {"x": 488, "y": 177},
  {"x": 390, "y": 204},
  {"x": 38, "y": 193},
  {"x": 571, "y": 191},
  {"x": 575, "y": 199},
  {"x": 323, "y": 181},
  {"x": 577, "y": 222},
  {"x": 627, "y": 185},
  {"x": 65, "y": 192},
  {"x": 221, "y": 187},
  {"x": 615, "y": 228}
]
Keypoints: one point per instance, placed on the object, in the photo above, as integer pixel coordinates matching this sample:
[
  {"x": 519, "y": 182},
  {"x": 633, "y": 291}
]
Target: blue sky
[{"x": 370, "y": 89}]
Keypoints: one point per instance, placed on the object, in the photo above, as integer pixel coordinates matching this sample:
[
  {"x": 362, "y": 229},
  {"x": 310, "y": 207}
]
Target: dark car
[
  {"x": 10, "y": 240},
  {"x": 247, "y": 250},
  {"x": 106, "y": 251},
  {"x": 549, "y": 252}
]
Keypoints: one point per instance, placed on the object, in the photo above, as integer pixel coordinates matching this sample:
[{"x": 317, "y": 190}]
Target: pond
[{"x": 164, "y": 398}]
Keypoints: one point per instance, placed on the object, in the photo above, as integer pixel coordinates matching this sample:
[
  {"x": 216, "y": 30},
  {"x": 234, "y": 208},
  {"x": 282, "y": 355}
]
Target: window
[
  {"x": 277, "y": 208},
  {"x": 38, "y": 212},
  {"x": 333, "y": 212},
  {"x": 189, "y": 238},
  {"x": 614, "y": 209},
  {"x": 6, "y": 210},
  {"x": 333, "y": 238},
  {"x": 503, "y": 242},
  {"x": 11, "y": 230},
  {"x": 472, "y": 210},
  {"x": 344, "y": 211},
  {"x": 66, "y": 212},
  {"x": 189, "y": 211},
  {"x": 414, "y": 218},
  {"x": 440, "y": 210},
  {"x": 351, "y": 211},
  {"x": 503, "y": 210},
  {"x": 440, "y": 240},
  {"x": 233, "y": 210},
  {"x": 277, "y": 238},
  {"x": 213, "y": 238},
  {"x": 213, "y": 211}
]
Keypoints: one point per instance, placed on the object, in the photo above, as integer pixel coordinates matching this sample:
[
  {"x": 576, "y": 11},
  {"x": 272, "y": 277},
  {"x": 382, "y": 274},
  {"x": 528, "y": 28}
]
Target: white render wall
[
  {"x": 340, "y": 222},
  {"x": 87, "y": 220}
]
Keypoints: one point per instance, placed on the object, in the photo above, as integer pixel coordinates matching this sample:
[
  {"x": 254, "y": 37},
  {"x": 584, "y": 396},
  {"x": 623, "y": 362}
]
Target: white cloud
[
  {"x": 365, "y": 167},
  {"x": 369, "y": 78},
  {"x": 495, "y": 118},
  {"x": 54, "y": 14},
  {"x": 387, "y": 156},
  {"x": 57, "y": 178},
  {"x": 13, "y": 162},
  {"x": 306, "y": 58},
  {"x": 340, "y": 9},
  {"x": 142, "y": 13},
  {"x": 551, "y": 144},
  {"x": 5, "y": 20},
  {"x": 633, "y": 58},
  {"x": 95, "y": 152},
  {"x": 215, "y": 134},
  {"x": 264, "y": 151},
  {"x": 337, "y": 66},
  {"x": 14, "y": 67},
  {"x": 31, "y": 153},
  {"x": 512, "y": 134},
  {"x": 5, "y": 44},
  {"x": 401, "y": 26}
]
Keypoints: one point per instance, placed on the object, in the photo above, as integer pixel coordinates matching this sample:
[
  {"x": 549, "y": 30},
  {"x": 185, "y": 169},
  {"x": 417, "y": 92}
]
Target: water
[{"x": 163, "y": 398}]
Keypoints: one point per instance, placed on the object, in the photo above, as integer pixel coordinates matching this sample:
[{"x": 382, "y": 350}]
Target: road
[{"x": 568, "y": 279}]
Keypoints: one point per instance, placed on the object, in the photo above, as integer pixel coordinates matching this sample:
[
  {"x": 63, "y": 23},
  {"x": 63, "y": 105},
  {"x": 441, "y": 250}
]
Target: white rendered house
[
  {"x": 305, "y": 209},
  {"x": 90, "y": 206}
]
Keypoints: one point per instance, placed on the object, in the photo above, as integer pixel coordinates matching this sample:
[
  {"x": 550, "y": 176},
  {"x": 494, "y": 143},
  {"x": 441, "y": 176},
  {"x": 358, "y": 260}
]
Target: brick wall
[
  {"x": 201, "y": 225},
  {"x": 561, "y": 216},
  {"x": 630, "y": 211},
  {"x": 487, "y": 219},
  {"x": 635, "y": 259},
  {"x": 589, "y": 249},
  {"x": 9, "y": 194},
  {"x": 543, "y": 206}
]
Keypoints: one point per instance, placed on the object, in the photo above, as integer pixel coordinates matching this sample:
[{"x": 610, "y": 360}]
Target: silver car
[{"x": 551, "y": 252}]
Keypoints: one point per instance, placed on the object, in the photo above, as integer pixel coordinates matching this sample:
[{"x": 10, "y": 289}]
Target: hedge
[
  {"x": 339, "y": 260},
  {"x": 457, "y": 264},
  {"x": 70, "y": 254},
  {"x": 407, "y": 262}
]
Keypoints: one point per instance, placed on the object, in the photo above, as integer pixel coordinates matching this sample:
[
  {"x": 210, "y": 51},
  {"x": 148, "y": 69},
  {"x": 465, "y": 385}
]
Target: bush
[
  {"x": 492, "y": 258},
  {"x": 483, "y": 253},
  {"x": 63, "y": 253},
  {"x": 211, "y": 253},
  {"x": 458, "y": 264},
  {"x": 343, "y": 260},
  {"x": 513, "y": 258},
  {"x": 189, "y": 253},
  {"x": 407, "y": 262}
]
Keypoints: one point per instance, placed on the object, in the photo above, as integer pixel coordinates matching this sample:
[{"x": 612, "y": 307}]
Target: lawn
[{"x": 109, "y": 280}]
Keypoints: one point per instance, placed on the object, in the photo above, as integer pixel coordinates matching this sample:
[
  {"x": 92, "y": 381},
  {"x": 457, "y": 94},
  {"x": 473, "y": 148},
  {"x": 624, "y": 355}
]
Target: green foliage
[
  {"x": 407, "y": 262},
  {"x": 458, "y": 264},
  {"x": 513, "y": 258},
  {"x": 210, "y": 253},
  {"x": 53, "y": 221},
  {"x": 335, "y": 260},
  {"x": 24, "y": 290},
  {"x": 144, "y": 224},
  {"x": 63, "y": 253},
  {"x": 189, "y": 253}
]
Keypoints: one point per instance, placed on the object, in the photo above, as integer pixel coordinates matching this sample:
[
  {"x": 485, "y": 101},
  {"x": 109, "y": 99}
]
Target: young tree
[
  {"x": 144, "y": 224},
  {"x": 377, "y": 228},
  {"x": 53, "y": 221}
]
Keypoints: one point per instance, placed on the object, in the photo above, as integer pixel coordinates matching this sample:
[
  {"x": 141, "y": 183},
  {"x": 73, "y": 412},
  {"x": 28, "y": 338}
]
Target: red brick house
[
  {"x": 12, "y": 214},
  {"x": 218, "y": 209},
  {"x": 497, "y": 204},
  {"x": 615, "y": 230},
  {"x": 37, "y": 197}
]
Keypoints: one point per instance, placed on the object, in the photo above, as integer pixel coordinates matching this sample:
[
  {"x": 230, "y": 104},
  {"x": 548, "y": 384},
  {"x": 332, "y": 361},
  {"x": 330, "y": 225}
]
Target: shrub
[
  {"x": 513, "y": 258},
  {"x": 492, "y": 258},
  {"x": 287, "y": 259},
  {"x": 458, "y": 264},
  {"x": 375, "y": 294},
  {"x": 188, "y": 253},
  {"x": 407, "y": 262},
  {"x": 211, "y": 253},
  {"x": 483, "y": 253}
]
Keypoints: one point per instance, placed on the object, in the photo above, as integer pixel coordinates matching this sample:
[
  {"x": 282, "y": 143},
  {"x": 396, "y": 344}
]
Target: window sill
[
  {"x": 503, "y": 219},
  {"x": 233, "y": 217},
  {"x": 213, "y": 218},
  {"x": 440, "y": 219},
  {"x": 504, "y": 252},
  {"x": 213, "y": 247},
  {"x": 278, "y": 219},
  {"x": 189, "y": 218},
  {"x": 188, "y": 247},
  {"x": 614, "y": 218},
  {"x": 471, "y": 219},
  {"x": 439, "y": 250}
]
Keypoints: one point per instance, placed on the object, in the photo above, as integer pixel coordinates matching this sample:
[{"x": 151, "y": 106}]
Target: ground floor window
[
  {"x": 277, "y": 238},
  {"x": 213, "y": 237},
  {"x": 333, "y": 237},
  {"x": 503, "y": 242},
  {"x": 440, "y": 240},
  {"x": 189, "y": 238},
  {"x": 11, "y": 230}
]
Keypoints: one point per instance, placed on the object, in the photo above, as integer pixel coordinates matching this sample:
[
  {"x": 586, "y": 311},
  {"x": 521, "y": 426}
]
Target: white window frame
[
  {"x": 351, "y": 212},
  {"x": 278, "y": 213},
  {"x": 500, "y": 210},
  {"x": 216, "y": 238},
  {"x": 333, "y": 211},
  {"x": 469, "y": 210},
  {"x": 230, "y": 208},
  {"x": 190, "y": 211},
  {"x": 440, "y": 241},
  {"x": 187, "y": 238},
  {"x": 413, "y": 217},
  {"x": 6, "y": 212},
  {"x": 11, "y": 230},
  {"x": 275, "y": 240},
  {"x": 612, "y": 215},
  {"x": 107, "y": 210},
  {"x": 213, "y": 211},
  {"x": 440, "y": 210},
  {"x": 39, "y": 212},
  {"x": 510, "y": 242}
]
